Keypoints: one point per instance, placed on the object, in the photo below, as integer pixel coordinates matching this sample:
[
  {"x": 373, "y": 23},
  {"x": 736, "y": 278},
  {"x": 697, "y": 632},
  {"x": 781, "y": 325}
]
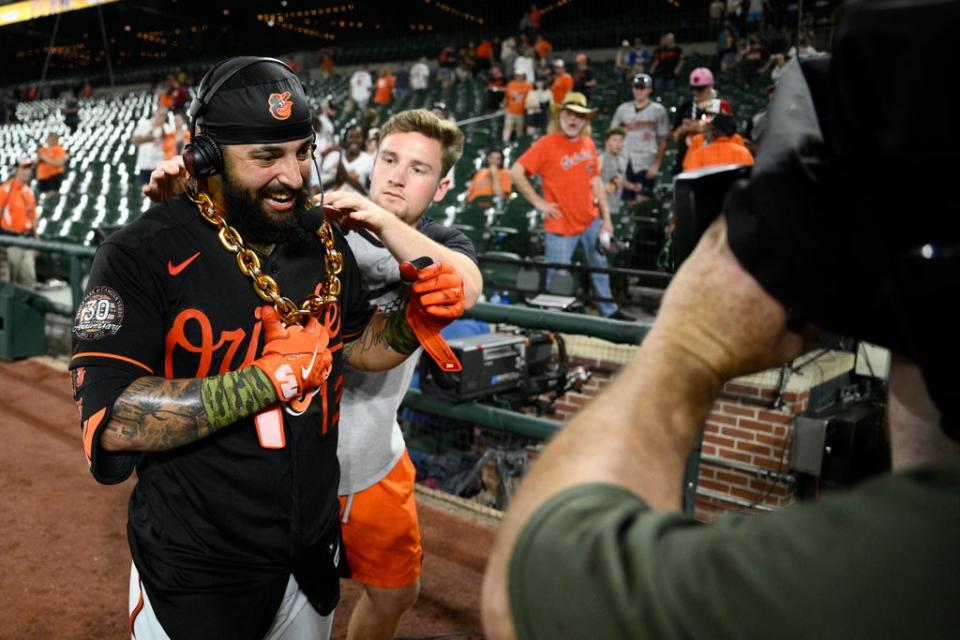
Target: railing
[{"x": 76, "y": 253}]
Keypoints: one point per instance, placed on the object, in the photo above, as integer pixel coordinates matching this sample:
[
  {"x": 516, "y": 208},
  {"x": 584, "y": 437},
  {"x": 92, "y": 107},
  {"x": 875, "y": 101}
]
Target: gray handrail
[{"x": 75, "y": 251}]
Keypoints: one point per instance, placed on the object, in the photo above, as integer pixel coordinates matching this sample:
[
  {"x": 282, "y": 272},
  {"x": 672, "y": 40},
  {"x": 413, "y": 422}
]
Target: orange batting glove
[
  {"x": 296, "y": 359},
  {"x": 436, "y": 300}
]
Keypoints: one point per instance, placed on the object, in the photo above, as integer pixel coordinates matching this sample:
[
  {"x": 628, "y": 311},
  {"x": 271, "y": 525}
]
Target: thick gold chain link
[{"x": 265, "y": 286}]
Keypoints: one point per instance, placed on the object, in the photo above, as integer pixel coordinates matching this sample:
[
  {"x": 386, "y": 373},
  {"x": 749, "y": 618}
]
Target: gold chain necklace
[{"x": 265, "y": 286}]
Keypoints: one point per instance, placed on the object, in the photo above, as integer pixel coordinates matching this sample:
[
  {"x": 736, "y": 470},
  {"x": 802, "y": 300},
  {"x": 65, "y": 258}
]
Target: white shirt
[
  {"x": 361, "y": 85},
  {"x": 149, "y": 154},
  {"x": 525, "y": 64},
  {"x": 537, "y": 97},
  {"x": 419, "y": 74},
  {"x": 325, "y": 137},
  {"x": 508, "y": 48},
  {"x": 361, "y": 167}
]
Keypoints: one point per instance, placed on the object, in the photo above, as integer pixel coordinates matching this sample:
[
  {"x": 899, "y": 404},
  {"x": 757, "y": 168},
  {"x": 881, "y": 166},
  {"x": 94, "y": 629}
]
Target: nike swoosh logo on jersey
[
  {"x": 305, "y": 371},
  {"x": 175, "y": 270}
]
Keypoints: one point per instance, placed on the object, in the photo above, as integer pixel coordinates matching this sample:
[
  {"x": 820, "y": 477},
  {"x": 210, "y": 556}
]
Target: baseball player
[
  {"x": 228, "y": 407},
  {"x": 381, "y": 532}
]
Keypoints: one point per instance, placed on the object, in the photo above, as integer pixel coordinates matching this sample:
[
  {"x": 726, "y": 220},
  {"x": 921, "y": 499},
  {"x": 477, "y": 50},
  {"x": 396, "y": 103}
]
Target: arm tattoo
[
  {"x": 379, "y": 335},
  {"x": 156, "y": 414},
  {"x": 397, "y": 333}
]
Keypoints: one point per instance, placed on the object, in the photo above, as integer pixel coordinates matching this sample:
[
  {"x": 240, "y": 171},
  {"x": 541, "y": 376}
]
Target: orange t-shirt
[
  {"x": 543, "y": 48},
  {"x": 170, "y": 143},
  {"x": 566, "y": 168},
  {"x": 561, "y": 86},
  {"x": 18, "y": 208},
  {"x": 720, "y": 151},
  {"x": 45, "y": 169},
  {"x": 516, "y": 96},
  {"x": 481, "y": 185},
  {"x": 485, "y": 49},
  {"x": 384, "y": 93}
]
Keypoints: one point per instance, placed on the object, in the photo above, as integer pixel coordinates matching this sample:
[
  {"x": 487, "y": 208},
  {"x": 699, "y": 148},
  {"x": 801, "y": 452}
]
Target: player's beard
[{"x": 246, "y": 212}]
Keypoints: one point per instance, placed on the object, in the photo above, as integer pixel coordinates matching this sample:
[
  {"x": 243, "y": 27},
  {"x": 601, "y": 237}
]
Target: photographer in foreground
[{"x": 594, "y": 544}]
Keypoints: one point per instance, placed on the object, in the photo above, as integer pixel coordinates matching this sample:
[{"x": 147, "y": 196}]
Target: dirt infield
[{"x": 64, "y": 561}]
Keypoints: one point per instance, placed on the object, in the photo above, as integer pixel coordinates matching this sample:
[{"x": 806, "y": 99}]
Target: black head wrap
[{"x": 262, "y": 103}]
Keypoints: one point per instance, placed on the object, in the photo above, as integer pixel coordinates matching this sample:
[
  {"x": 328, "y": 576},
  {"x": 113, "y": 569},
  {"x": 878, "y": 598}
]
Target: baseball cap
[
  {"x": 261, "y": 103},
  {"x": 701, "y": 77},
  {"x": 625, "y": 43},
  {"x": 576, "y": 102},
  {"x": 558, "y": 62},
  {"x": 642, "y": 81},
  {"x": 25, "y": 162}
]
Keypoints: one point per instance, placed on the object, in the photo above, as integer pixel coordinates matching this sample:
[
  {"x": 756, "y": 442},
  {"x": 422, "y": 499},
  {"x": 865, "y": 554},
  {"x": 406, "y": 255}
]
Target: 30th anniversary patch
[{"x": 100, "y": 314}]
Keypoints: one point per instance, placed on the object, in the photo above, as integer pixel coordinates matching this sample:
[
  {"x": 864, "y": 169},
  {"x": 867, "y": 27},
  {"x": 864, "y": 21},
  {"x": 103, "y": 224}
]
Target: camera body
[{"x": 698, "y": 197}]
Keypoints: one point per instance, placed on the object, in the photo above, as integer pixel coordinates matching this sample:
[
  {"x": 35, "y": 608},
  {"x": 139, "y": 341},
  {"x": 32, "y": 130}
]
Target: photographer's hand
[
  {"x": 719, "y": 314},
  {"x": 715, "y": 322}
]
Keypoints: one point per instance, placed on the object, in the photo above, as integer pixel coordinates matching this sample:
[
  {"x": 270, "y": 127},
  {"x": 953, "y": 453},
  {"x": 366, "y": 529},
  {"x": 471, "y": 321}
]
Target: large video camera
[
  {"x": 510, "y": 370},
  {"x": 697, "y": 201},
  {"x": 848, "y": 217}
]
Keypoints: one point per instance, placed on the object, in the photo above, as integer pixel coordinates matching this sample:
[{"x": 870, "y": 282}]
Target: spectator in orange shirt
[
  {"x": 51, "y": 162},
  {"x": 721, "y": 147},
  {"x": 384, "y": 92},
  {"x": 542, "y": 47},
  {"x": 18, "y": 216},
  {"x": 514, "y": 102},
  {"x": 492, "y": 181},
  {"x": 562, "y": 82},
  {"x": 483, "y": 57},
  {"x": 574, "y": 201},
  {"x": 530, "y": 23}
]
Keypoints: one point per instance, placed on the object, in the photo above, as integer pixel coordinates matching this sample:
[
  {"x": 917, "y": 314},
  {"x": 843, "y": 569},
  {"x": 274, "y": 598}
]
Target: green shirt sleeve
[{"x": 594, "y": 562}]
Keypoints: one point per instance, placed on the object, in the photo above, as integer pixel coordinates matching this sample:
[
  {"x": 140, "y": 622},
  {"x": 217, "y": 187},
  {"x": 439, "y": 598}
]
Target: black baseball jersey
[{"x": 215, "y": 527}]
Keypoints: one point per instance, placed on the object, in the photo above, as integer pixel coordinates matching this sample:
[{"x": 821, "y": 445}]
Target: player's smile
[{"x": 280, "y": 201}]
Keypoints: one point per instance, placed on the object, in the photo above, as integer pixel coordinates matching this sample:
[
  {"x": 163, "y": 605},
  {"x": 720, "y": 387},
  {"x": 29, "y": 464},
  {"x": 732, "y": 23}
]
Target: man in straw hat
[{"x": 566, "y": 161}]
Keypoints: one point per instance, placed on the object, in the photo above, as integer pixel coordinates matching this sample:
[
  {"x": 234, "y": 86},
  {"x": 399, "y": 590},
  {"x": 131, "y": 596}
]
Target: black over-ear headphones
[{"x": 202, "y": 156}]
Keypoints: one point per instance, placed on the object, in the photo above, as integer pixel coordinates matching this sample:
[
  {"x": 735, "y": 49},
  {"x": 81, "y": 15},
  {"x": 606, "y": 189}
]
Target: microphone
[{"x": 311, "y": 219}]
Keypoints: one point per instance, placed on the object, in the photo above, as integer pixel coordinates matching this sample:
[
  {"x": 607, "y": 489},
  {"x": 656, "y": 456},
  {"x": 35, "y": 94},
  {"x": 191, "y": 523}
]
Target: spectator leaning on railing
[{"x": 18, "y": 217}]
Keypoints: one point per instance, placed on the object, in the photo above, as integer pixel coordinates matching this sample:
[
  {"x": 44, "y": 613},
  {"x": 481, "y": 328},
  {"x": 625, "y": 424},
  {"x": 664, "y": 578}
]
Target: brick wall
[
  {"x": 745, "y": 449},
  {"x": 602, "y": 372},
  {"x": 745, "y": 444}
]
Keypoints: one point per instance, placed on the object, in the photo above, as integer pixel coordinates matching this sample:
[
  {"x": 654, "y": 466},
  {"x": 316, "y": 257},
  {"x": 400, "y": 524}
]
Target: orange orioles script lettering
[
  {"x": 206, "y": 349},
  {"x": 280, "y": 105}
]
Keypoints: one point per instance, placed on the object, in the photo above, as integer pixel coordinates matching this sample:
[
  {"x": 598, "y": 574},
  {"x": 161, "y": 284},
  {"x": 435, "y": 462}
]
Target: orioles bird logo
[{"x": 281, "y": 106}]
